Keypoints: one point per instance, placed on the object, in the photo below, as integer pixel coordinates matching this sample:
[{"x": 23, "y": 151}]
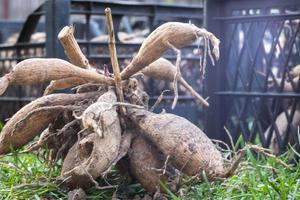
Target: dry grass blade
[
  {"x": 230, "y": 138},
  {"x": 267, "y": 152}
]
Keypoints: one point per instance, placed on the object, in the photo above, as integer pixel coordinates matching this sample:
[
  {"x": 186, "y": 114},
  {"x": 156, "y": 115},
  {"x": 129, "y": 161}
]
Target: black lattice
[{"x": 262, "y": 46}]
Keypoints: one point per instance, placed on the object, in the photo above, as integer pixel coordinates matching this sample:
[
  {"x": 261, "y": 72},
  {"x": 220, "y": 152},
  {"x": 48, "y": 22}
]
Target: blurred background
[{"x": 19, "y": 9}]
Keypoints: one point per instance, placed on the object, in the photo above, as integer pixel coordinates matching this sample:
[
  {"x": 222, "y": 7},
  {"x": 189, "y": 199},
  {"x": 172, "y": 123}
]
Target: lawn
[{"x": 27, "y": 176}]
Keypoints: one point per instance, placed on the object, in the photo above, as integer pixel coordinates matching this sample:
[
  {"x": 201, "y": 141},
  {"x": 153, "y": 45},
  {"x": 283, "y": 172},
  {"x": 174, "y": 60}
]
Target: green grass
[
  {"x": 261, "y": 178},
  {"x": 27, "y": 176}
]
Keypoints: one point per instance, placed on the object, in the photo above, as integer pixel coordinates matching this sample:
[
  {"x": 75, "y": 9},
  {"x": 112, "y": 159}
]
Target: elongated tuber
[
  {"x": 38, "y": 70},
  {"x": 146, "y": 163},
  {"x": 32, "y": 119},
  {"x": 163, "y": 69},
  {"x": 168, "y": 35},
  {"x": 190, "y": 148},
  {"x": 281, "y": 123}
]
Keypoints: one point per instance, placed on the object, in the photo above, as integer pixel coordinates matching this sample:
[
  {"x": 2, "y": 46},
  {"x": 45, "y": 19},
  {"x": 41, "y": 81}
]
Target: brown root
[
  {"x": 162, "y": 69},
  {"x": 175, "y": 33},
  {"x": 4, "y": 83},
  {"x": 94, "y": 117},
  {"x": 33, "y": 118},
  {"x": 190, "y": 148},
  {"x": 147, "y": 166},
  {"x": 29, "y": 127},
  {"x": 124, "y": 148},
  {"x": 97, "y": 152},
  {"x": 38, "y": 70},
  {"x": 63, "y": 84},
  {"x": 90, "y": 87},
  {"x": 93, "y": 156},
  {"x": 177, "y": 74},
  {"x": 159, "y": 99}
]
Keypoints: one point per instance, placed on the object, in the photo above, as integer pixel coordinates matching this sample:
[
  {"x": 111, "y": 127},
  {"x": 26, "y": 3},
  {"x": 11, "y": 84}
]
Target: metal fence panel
[{"x": 260, "y": 45}]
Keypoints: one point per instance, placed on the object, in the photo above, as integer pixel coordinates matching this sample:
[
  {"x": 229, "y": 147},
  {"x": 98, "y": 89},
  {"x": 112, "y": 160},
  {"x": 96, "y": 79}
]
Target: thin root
[
  {"x": 159, "y": 99},
  {"x": 177, "y": 74}
]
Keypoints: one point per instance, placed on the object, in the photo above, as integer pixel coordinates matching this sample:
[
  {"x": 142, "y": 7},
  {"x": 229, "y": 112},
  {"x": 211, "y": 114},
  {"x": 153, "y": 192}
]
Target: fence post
[
  {"x": 57, "y": 14},
  {"x": 214, "y": 115}
]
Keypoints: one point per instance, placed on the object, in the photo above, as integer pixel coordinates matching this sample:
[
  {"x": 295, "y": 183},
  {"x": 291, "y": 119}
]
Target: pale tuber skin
[
  {"x": 39, "y": 70},
  {"x": 146, "y": 163},
  {"x": 100, "y": 112},
  {"x": 76, "y": 57},
  {"x": 97, "y": 152},
  {"x": 282, "y": 126},
  {"x": 191, "y": 150},
  {"x": 295, "y": 71},
  {"x": 163, "y": 69},
  {"x": 168, "y": 35},
  {"x": 31, "y": 120}
]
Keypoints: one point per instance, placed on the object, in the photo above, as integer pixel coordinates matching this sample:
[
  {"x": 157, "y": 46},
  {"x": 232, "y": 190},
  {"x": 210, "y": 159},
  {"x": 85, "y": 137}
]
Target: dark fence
[
  {"x": 89, "y": 21},
  {"x": 252, "y": 90}
]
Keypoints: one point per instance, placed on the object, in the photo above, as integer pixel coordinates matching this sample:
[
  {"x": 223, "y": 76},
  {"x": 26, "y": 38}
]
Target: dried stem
[
  {"x": 193, "y": 92},
  {"x": 71, "y": 47},
  {"x": 230, "y": 171},
  {"x": 114, "y": 59},
  {"x": 267, "y": 153}
]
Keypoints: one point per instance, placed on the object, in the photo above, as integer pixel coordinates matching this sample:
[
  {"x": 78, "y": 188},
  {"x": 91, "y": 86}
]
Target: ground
[{"x": 27, "y": 176}]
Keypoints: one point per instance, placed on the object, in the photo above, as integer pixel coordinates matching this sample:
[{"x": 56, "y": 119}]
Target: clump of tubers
[{"x": 106, "y": 121}]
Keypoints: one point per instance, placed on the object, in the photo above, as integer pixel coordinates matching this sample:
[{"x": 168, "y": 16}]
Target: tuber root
[
  {"x": 76, "y": 57},
  {"x": 295, "y": 71},
  {"x": 163, "y": 69},
  {"x": 98, "y": 151},
  {"x": 38, "y": 70},
  {"x": 168, "y": 35},
  {"x": 101, "y": 112},
  {"x": 33, "y": 118},
  {"x": 146, "y": 164},
  {"x": 190, "y": 148},
  {"x": 281, "y": 123}
]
